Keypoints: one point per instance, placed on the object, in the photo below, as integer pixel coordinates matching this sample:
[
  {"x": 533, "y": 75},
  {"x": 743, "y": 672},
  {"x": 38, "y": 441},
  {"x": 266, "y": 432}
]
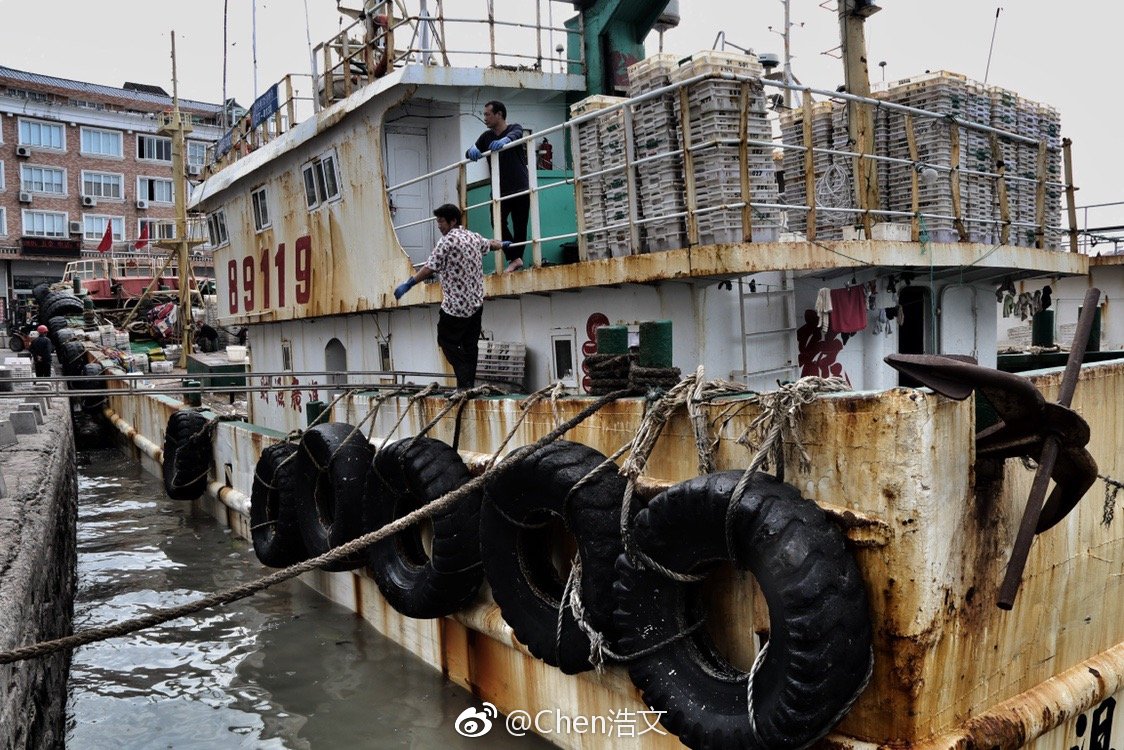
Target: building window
[
  {"x": 154, "y": 148},
  {"x": 97, "y": 142},
  {"x": 42, "y": 134},
  {"x": 158, "y": 229},
  {"x": 45, "y": 223},
  {"x": 196, "y": 154},
  {"x": 103, "y": 185},
  {"x": 1, "y": 175},
  {"x": 154, "y": 189},
  {"x": 216, "y": 228},
  {"x": 49, "y": 180},
  {"x": 3, "y": 221},
  {"x": 261, "y": 211},
  {"x": 320, "y": 180},
  {"x": 93, "y": 227}
]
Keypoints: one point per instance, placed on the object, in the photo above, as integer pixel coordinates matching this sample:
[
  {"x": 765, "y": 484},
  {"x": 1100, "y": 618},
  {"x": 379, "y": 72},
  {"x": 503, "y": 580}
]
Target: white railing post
[
  {"x": 630, "y": 182},
  {"x": 533, "y": 187},
  {"x": 497, "y": 220}
]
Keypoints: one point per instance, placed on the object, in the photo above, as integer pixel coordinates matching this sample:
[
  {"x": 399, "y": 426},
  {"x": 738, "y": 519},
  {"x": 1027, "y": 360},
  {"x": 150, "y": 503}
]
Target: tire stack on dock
[
  {"x": 655, "y": 134},
  {"x": 714, "y": 111},
  {"x": 604, "y": 196}
]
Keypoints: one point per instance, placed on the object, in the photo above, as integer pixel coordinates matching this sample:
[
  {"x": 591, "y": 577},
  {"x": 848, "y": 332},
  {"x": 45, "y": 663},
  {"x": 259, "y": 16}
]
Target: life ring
[
  {"x": 332, "y": 465},
  {"x": 818, "y": 657},
  {"x": 274, "y": 517},
  {"x": 517, "y": 560},
  {"x": 187, "y": 453},
  {"x": 405, "y": 476}
]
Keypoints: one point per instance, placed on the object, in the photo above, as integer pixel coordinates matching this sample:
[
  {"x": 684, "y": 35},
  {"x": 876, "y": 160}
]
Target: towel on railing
[{"x": 823, "y": 308}]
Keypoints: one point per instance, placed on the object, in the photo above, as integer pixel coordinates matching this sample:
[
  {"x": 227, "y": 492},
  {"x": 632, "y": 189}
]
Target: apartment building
[{"x": 77, "y": 157}]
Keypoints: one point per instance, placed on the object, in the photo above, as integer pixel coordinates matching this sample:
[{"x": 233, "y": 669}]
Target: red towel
[{"x": 848, "y": 310}]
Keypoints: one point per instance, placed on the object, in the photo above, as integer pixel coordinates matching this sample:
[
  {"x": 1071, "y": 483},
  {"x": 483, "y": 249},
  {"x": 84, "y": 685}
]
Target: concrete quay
[{"x": 38, "y": 512}]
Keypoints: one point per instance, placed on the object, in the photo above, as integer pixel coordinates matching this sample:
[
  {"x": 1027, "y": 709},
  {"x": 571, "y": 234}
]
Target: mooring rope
[{"x": 337, "y": 553}]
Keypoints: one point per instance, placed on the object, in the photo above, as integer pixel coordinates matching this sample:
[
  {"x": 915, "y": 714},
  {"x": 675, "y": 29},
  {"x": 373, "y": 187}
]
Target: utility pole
[
  {"x": 176, "y": 126},
  {"x": 860, "y": 118},
  {"x": 787, "y": 56}
]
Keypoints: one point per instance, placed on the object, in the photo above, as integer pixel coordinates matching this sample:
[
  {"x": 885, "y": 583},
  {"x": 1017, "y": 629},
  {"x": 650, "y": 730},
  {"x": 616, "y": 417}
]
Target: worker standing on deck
[
  {"x": 513, "y": 177},
  {"x": 41, "y": 352},
  {"x": 457, "y": 261}
]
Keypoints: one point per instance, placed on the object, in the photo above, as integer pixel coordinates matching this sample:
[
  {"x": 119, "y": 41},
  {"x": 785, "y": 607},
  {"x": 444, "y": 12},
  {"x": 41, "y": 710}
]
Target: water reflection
[{"x": 283, "y": 669}]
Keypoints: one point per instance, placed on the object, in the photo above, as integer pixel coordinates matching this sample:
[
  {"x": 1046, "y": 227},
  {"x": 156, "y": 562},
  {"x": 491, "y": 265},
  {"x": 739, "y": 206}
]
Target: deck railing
[{"x": 994, "y": 221}]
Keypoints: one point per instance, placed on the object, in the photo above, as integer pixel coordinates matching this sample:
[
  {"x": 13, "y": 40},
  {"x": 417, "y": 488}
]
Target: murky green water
[{"x": 282, "y": 669}]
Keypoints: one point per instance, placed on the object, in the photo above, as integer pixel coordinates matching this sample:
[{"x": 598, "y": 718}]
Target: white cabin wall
[{"x": 1068, "y": 294}]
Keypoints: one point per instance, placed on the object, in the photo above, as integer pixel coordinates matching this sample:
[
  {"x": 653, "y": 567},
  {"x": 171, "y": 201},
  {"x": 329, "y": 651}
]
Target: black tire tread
[
  {"x": 274, "y": 516},
  {"x": 187, "y": 455}
]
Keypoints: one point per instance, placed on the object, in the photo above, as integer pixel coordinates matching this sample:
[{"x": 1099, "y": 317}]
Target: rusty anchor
[{"x": 1029, "y": 426}]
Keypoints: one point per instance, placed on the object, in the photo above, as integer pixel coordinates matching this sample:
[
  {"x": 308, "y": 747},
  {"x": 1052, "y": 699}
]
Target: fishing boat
[
  {"x": 847, "y": 599},
  {"x": 116, "y": 279}
]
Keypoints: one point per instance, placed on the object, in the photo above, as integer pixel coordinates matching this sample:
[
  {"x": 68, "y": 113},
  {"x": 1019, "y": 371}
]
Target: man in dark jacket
[
  {"x": 41, "y": 352},
  {"x": 513, "y": 178}
]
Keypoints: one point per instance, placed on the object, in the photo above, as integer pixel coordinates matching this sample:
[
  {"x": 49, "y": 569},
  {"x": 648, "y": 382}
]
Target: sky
[{"x": 1062, "y": 54}]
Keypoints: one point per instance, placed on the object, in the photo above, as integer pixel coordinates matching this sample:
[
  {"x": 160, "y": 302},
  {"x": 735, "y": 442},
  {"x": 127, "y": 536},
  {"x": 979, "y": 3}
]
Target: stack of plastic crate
[
  {"x": 605, "y": 196},
  {"x": 1004, "y": 116},
  {"x": 833, "y": 173},
  {"x": 655, "y": 133},
  {"x": 977, "y": 193},
  {"x": 1050, "y": 129},
  {"x": 501, "y": 363},
  {"x": 714, "y": 112},
  {"x": 1026, "y": 113}
]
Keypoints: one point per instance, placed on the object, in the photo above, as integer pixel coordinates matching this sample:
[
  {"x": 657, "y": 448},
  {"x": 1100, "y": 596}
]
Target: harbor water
[{"x": 282, "y": 669}]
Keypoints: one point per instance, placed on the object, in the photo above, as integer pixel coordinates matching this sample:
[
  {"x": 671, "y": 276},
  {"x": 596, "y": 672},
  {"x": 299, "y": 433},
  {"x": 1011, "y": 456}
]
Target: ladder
[{"x": 781, "y": 360}]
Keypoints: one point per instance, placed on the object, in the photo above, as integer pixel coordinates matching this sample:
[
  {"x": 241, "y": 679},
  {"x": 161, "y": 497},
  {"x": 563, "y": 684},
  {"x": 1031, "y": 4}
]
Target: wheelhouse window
[
  {"x": 107, "y": 185},
  {"x": 155, "y": 189},
  {"x": 39, "y": 134},
  {"x": 216, "y": 228},
  {"x": 49, "y": 180},
  {"x": 321, "y": 183},
  {"x": 261, "y": 210},
  {"x": 154, "y": 148},
  {"x": 93, "y": 226},
  {"x": 157, "y": 229},
  {"x": 45, "y": 223},
  {"x": 98, "y": 142}
]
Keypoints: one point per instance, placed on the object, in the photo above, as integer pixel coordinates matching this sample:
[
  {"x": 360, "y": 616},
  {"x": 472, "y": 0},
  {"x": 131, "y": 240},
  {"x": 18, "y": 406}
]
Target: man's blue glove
[
  {"x": 404, "y": 287},
  {"x": 505, "y": 244},
  {"x": 499, "y": 143},
  {"x": 473, "y": 153}
]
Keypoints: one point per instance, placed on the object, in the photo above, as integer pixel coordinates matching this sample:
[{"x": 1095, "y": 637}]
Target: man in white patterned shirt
[{"x": 457, "y": 261}]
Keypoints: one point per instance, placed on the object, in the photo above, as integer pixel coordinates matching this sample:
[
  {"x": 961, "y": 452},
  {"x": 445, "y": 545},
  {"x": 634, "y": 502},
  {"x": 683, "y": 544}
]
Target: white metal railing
[
  {"x": 1101, "y": 228},
  {"x": 995, "y": 221}
]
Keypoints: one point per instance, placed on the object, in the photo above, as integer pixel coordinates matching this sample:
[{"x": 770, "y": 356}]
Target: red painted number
[
  {"x": 248, "y": 282},
  {"x": 232, "y": 284},
  {"x": 252, "y": 266},
  {"x": 279, "y": 262},
  {"x": 264, "y": 279},
  {"x": 303, "y": 270}
]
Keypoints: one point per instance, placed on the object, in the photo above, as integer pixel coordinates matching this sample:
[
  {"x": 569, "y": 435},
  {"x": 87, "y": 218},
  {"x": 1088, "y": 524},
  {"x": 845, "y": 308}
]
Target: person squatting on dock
[
  {"x": 513, "y": 177},
  {"x": 457, "y": 262},
  {"x": 41, "y": 352}
]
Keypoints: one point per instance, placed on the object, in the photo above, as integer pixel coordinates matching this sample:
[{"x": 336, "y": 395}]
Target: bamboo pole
[
  {"x": 1040, "y": 198},
  {"x": 954, "y": 177},
  {"x": 809, "y": 171},
  {"x": 743, "y": 163},
  {"x": 915, "y": 187},
  {"x": 1070, "y": 198},
  {"x": 1001, "y": 191},
  {"x": 688, "y": 168}
]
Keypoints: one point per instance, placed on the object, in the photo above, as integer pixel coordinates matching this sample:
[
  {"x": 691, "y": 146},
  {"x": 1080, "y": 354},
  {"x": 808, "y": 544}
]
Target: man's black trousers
[{"x": 459, "y": 340}]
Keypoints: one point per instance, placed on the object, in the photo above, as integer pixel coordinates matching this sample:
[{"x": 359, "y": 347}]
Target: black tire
[
  {"x": 48, "y": 302},
  {"x": 405, "y": 476},
  {"x": 15, "y": 343},
  {"x": 57, "y": 323},
  {"x": 187, "y": 454},
  {"x": 39, "y": 291},
  {"x": 62, "y": 306},
  {"x": 332, "y": 466},
  {"x": 517, "y": 561},
  {"x": 72, "y": 357},
  {"x": 818, "y": 657},
  {"x": 274, "y": 516}
]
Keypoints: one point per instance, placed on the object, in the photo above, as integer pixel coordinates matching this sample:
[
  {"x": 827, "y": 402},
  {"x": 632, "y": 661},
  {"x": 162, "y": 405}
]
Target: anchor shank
[{"x": 1021, "y": 548}]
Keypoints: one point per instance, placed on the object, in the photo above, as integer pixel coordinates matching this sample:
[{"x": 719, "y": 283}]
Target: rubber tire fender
[
  {"x": 517, "y": 561},
  {"x": 274, "y": 518},
  {"x": 187, "y": 454},
  {"x": 818, "y": 657},
  {"x": 333, "y": 460},
  {"x": 406, "y": 475}
]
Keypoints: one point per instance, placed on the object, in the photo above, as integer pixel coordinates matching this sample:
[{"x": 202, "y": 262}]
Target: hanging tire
[
  {"x": 406, "y": 475},
  {"x": 818, "y": 657},
  {"x": 187, "y": 454},
  {"x": 332, "y": 465},
  {"x": 274, "y": 516},
  {"x": 517, "y": 560}
]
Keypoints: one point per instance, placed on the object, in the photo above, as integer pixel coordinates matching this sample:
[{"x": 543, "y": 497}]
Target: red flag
[
  {"x": 107, "y": 239},
  {"x": 142, "y": 241}
]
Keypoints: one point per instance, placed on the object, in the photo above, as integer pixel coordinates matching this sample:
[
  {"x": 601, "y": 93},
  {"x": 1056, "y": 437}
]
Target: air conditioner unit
[
  {"x": 194, "y": 170},
  {"x": 89, "y": 201},
  {"x": 142, "y": 203},
  {"x": 23, "y": 151},
  {"x": 25, "y": 197},
  {"x": 76, "y": 227}
]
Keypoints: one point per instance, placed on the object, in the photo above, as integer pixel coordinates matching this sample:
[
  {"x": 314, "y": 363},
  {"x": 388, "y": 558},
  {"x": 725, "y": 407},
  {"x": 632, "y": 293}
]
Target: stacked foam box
[
  {"x": 655, "y": 133},
  {"x": 714, "y": 112},
  {"x": 604, "y": 197}
]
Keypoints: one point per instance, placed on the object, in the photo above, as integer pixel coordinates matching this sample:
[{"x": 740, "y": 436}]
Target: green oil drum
[
  {"x": 612, "y": 340},
  {"x": 655, "y": 343}
]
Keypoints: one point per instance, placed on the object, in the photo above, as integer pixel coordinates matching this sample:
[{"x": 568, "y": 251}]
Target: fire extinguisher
[{"x": 545, "y": 154}]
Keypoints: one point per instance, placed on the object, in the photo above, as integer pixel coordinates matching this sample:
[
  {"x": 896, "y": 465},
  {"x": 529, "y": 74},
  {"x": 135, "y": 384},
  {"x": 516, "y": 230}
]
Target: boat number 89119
[{"x": 244, "y": 286}]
